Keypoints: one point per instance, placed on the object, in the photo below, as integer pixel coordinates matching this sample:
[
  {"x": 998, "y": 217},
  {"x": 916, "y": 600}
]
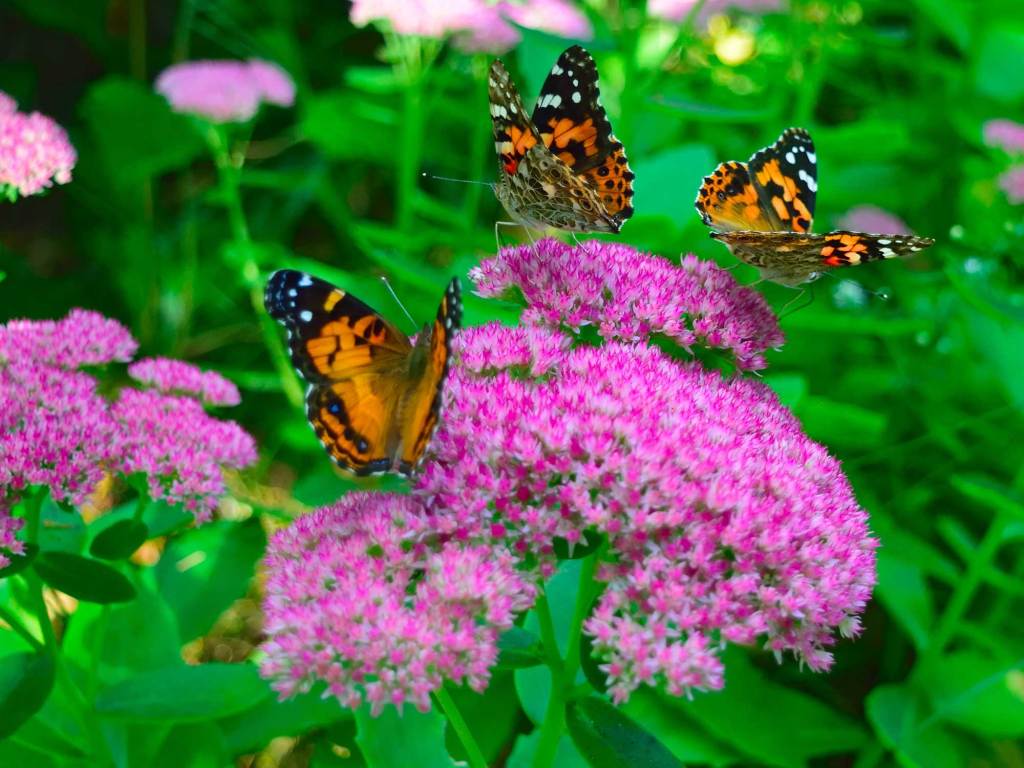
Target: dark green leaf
[
  {"x": 896, "y": 716},
  {"x": 196, "y": 745},
  {"x": 82, "y": 578},
  {"x": 25, "y": 682},
  {"x": 119, "y": 540},
  {"x": 519, "y": 648},
  {"x": 978, "y": 693},
  {"x": 185, "y": 693},
  {"x": 492, "y": 716},
  {"x": 683, "y": 736},
  {"x": 252, "y": 730},
  {"x": 19, "y": 562},
  {"x": 609, "y": 739}
]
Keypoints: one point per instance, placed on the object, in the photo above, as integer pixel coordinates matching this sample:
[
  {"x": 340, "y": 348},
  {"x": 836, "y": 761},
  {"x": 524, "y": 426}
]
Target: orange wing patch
[
  {"x": 572, "y": 142},
  {"x": 728, "y": 202},
  {"x": 784, "y": 197},
  {"x": 613, "y": 181}
]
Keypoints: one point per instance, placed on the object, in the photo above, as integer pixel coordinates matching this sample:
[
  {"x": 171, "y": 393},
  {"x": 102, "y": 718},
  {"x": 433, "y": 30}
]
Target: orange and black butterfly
[
  {"x": 374, "y": 397},
  {"x": 562, "y": 167},
  {"x": 763, "y": 210}
]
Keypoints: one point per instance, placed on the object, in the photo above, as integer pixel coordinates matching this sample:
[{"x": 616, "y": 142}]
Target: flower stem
[
  {"x": 15, "y": 623},
  {"x": 140, "y": 506},
  {"x": 584, "y": 596},
  {"x": 554, "y": 718},
  {"x": 230, "y": 173},
  {"x": 33, "y": 510},
  {"x": 458, "y": 723}
]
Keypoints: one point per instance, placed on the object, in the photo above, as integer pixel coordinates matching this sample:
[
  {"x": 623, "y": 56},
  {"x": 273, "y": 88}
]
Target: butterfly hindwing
[
  {"x": 370, "y": 389},
  {"x": 785, "y": 176},
  {"x": 728, "y": 202},
  {"x": 573, "y": 124}
]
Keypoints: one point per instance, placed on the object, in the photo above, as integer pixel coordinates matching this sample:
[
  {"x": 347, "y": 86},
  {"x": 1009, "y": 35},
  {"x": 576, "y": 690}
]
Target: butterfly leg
[
  {"x": 581, "y": 245},
  {"x": 497, "y": 239},
  {"x": 810, "y": 300}
]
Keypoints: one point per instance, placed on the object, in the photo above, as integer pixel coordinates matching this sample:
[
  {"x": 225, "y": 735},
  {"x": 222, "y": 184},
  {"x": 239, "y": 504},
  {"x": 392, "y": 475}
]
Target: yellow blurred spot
[
  {"x": 1015, "y": 682},
  {"x": 734, "y": 47},
  {"x": 340, "y": 751}
]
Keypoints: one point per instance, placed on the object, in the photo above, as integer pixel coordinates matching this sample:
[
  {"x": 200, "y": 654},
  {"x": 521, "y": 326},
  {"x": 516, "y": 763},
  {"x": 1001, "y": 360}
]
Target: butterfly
[
  {"x": 562, "y": 167},
  {"x": 374, "y": 397},
  {"x": 763, "y": 210}
]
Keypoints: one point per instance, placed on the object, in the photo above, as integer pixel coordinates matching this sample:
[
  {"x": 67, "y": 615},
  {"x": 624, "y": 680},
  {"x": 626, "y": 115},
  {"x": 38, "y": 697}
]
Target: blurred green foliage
[{"x": 921, "y": 395}]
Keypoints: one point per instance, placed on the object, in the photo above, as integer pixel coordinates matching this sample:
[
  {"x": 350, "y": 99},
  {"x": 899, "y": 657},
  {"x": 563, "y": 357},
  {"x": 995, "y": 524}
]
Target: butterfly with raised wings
[
  {"x": 374, "y": 397},
  {"x": 562, "y": 167},
  {"x": 763, "y": 210}
]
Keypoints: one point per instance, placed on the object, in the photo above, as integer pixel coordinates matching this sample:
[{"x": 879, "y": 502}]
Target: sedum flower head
[
  {"x": 676, "y": 11},
  {"x": 557, "y": 17},
  {"x": 630, "y": 295},
  {"x": 356, "y": 598},
  {"x": 871, "y": 218},
  {"x": 169, "y": 375},
  {"x": 1004, "y": 134},
  {"x": 224, "y": 91},
  {"x": 34, "y": 151},
  {"x": 1012, "y": 184}
]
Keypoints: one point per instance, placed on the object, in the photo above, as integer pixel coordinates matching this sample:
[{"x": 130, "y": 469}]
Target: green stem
[
  {"x": 584, "y": 596},
  {"x": 458, "y": 723},
  {"x": 964, "y": 591},
  {"x": 554, "y": 718},
  {"x": 230, "y": 172},
  {"x": 140, "y": 507},
  {"x": 33, "y": 516},
  {"x": 15, "y": 623}
]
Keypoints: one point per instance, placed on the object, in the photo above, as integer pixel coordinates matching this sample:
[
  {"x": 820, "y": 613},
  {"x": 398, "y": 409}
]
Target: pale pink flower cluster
[
  {"x": 169, "y": 375},
  {"x": 34, "y": 151},
  {"x": 57, "y": 431},
  {"x": 629, "y": 295},
  {"x": 225, "y": 91},
  {"x": 358, "y": 596},
  {"x": 677, "y": 10},
  {"x": 1012, "y": 183},
  {"x": 875, "y": 220},
  {"x": 477, "y": 25},
  {"x": 1004, "y": 134}
]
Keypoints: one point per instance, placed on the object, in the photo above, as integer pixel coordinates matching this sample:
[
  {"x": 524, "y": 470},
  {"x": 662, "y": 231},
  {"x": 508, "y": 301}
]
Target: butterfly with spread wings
[
  {"x": 374, "y": 397},
  {"x": 562, "y": 167},
  {"x": 763, "y": 210}
]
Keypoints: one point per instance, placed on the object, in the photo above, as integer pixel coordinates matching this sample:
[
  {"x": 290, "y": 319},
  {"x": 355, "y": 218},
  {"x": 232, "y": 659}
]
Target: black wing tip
[{"x": 453, "y": 303}]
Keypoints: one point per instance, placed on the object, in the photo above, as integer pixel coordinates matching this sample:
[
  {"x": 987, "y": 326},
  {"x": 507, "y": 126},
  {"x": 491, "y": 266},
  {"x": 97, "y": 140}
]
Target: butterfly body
[
  {"x": 763, "y": 211},
  {"x": 561, "y": 167},
  {"x": 374, "y": 396}
]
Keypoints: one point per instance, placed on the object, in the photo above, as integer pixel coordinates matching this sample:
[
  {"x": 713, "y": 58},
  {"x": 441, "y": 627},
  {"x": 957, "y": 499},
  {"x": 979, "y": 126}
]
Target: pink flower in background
[
  {"x": 1004, "y": 134},
  {"x": 677, "y": 10},
  {"x": 225, "y": 91},
  {"x": 34, "y": 151},
  {"x": 874, "y": 220},
  {"x": 486, "y": 31},
  {"x": 176, "y": 376},
  {"x": 1012, "y": 183},
  {"x": 629, "y": 295},
  {"x": 57, "y": 431},
  {"x": 356, "y": 598},
  {"x": 9, "y": 544},
  {"x": 722, "y": 518},
  {"x": 424, "y": 18},
  {"x": 557, "y": 17}
]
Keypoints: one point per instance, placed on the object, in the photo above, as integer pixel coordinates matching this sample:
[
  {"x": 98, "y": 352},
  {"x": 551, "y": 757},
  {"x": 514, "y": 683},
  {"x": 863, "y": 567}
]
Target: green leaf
[
  {"x": 253, "y": 729},
  {"x": 609, "y": 739},
  {"x": 519, "y": 648},
  {"x": 988, "y": 492},
  {"x": 687, "y": 740},
  {"x": 492, "y": 717},
  {"x": 196, "y": 745},
  {"x": 19, "y": 562},
  {"x": 394, "y": 740},
  {"x": 978, "y": 693},
  {"x": 997, "y": 67},
  {"x": 206, "y": 569},
  {"x": 25, "y": 683},
  {"x": 904, "y": 592},
  {"x": 768, "y": 722},
  {"x": 162, "y": 518},
  {"x": 566, "y": 754},
  {"x": 118, "y": 541},
  {"x": 841, "y": 423},
  {"x": 60, "y": 530},
  {"x": 895, "y": 714},
  {"x": 348, "y": 125},
  {"x": 184, "y": 694},
  {"x": 82, "y": 578}
]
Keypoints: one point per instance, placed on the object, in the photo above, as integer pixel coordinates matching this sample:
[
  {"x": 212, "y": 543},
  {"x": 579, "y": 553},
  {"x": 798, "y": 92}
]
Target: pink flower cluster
[
  {"x": 358, "y": 597},
  {"x": 1012, "y": 183},
  {"x": 1004, "y": 134},
  {"x": 34, "y": 151},
  {"x": 875, "y": 220},
  {"x": 225, "y": 91},
  {"x": 630, "y": 295},
  {"x": 676, "y": 11},
  {"x": 58, "y": 432},
  {"x": 477, "y": 25}
]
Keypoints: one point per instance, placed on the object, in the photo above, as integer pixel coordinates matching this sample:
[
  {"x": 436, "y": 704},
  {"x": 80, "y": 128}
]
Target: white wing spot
[
  {"x": 292, "y": 292},
  {"x": 512, "y": 107},
  {"x": 790, "y": 158},
  {"x": 576, "y": 98},
  {"x": 305, "y": 281},
  {"x": 305, "y": 315},
  {"x": 810, "y": 181},
  {"x": 569, "y": 73},
  {"x": 575, "y": 83},
  {"x": 884, "y": 242},
  {"x": 556, "y": 70},
  {"x": 812, "y": 157}
]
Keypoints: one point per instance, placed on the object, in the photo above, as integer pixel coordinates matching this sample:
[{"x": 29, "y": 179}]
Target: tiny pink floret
[{"x": 35, "y": 151}]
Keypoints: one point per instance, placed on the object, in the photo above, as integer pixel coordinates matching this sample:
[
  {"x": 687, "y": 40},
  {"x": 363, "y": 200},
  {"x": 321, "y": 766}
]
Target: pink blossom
[
  {"x": 9, "y": 527},
  {"x": 82, "y": 338},
  {"x": 722, "y": 518},
  {"x": 424, "y": 18},
  {"x": 486, "y": 31},
  {"x": 630, "y": 295},
  {"x": 875, "y": 220},
  {"x": 177, "y": 376},
  {"x": 225, "y": 91},
  {"x": 1012, "y": 183},
  {"x": 178, "y": 447},
  {"x": 557, "y": 17},
  {"x": 677, "y": 10},
  {"x": 357, "y": 597},
  {"x": 34, "y": 151},
  {"x": 1004, "y": 134}
]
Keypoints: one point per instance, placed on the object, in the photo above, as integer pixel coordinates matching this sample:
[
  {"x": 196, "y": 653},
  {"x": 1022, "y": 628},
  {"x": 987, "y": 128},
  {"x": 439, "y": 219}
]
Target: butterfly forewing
[
  {"x": 362, "y": 389},
  {"x": 514, "y": 134},
  {"x": 785, "y": 176}
]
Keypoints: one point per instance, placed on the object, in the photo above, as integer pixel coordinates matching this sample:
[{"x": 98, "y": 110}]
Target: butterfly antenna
[
  {"x": 387, "y": 284},
  {"x": 810, "y": 300},
  {"x": 458, "y": 181}
]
